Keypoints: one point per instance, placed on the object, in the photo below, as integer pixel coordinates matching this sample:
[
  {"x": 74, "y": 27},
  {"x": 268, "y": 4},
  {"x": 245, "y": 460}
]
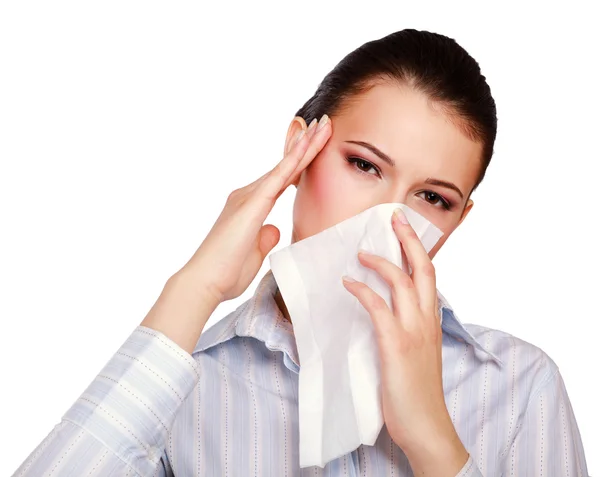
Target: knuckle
[
  {"x": 377, "y": 303},
  {"x": 428, "y": 269},
  {"x": 234, "y": 195},
  {"x": 403, "y": 280}
]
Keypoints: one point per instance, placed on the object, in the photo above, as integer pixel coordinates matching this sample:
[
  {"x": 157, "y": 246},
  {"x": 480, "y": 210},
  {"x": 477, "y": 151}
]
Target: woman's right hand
[{"x": 233, "y": 251}]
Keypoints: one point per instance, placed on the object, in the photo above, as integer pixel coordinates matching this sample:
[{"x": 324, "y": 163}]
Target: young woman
[{"x": 407, "y": 118}]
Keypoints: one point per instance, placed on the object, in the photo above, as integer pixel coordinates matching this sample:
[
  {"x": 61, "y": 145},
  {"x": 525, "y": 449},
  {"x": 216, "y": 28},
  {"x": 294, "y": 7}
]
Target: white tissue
[{"x": 339, "y": 396}]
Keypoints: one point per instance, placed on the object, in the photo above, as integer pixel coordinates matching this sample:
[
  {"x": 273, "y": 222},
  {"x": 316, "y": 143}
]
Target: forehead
[{"x": 418, "y": 134}]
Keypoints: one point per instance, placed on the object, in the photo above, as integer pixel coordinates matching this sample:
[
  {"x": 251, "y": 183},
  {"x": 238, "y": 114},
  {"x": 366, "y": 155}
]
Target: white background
[{"x": 125, "y": 125}]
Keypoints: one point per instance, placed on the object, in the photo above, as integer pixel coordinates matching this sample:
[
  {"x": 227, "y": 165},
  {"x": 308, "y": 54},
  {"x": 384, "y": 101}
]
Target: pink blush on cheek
[
  {"x": 328, "y": 194},
  {"x": 323, "y": 187},
  {"x": 329, "y": 188},
  {"x": 333, "y": 193}
]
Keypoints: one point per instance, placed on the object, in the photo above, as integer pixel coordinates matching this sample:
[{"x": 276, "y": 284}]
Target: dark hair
[{"x": 428, "y": 62}]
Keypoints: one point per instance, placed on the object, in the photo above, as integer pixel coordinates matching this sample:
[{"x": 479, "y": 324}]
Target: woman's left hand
[{"x": 410, "y": 347}]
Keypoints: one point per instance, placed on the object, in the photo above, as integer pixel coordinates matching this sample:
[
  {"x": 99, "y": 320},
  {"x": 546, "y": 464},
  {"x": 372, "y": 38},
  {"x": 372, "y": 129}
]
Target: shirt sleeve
[
  {"x": 469, "y": 469},
  {"x": 548, "y": 441},
  {"x": 119, "y": 426}
]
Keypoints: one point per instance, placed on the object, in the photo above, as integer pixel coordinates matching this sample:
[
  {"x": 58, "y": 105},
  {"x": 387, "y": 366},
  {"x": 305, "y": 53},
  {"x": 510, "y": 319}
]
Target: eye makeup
[{"x": 363, "y": 166}]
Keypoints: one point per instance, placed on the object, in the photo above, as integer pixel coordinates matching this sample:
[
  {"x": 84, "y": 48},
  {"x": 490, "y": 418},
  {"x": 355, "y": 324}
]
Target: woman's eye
[
  {"x": 435, "y": 199},
  {"x": 363, "y": 166}
]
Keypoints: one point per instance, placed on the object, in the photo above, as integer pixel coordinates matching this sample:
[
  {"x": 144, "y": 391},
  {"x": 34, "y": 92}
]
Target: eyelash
[{"x": 355, "y": 160}]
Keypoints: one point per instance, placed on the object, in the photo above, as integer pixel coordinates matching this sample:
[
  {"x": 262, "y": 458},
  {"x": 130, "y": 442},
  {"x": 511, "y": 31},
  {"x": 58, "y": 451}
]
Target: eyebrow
[{"x": 384, "y": 157}]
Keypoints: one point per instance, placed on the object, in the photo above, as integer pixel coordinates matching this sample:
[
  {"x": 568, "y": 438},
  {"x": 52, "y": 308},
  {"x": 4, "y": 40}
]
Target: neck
[{"x": 281, "y": 305}]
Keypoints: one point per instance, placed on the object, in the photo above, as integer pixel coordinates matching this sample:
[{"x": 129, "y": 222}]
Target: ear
[
  {"x": 468, "y": 208},
  {"x": 296, "y": 125}
]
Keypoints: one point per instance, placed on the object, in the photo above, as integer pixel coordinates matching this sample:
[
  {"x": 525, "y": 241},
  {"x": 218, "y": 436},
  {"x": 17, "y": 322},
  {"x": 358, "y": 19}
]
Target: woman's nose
[{"x": 397, "y": 195}]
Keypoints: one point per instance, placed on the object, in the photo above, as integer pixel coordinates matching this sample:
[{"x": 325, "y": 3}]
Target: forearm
[{"x": 182, "y": 309}]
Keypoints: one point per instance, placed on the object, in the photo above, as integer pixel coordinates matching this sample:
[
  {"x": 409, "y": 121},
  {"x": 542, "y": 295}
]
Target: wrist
[
  {"x": 441, "y": 454},
  {"x": 191, "y": 280},
  {"x": 182, "y": 309}
]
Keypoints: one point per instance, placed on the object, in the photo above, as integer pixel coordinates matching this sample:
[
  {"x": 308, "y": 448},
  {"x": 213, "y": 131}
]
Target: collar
[
  {"x": 260, "y": 318},
  {"x": 452, "y": 326}
]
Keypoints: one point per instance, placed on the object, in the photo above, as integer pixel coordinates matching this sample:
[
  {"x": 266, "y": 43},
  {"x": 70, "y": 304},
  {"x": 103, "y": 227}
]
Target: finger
[
  {"x": 383, "y": 319},
  {"x": 423, "y": 271},
  {"x": 310, "y": 132},
  {"x": 293, "y": 179},
  {"x": 286, "y": 171},
  {"x": 293, "y": 156},
  {"x": 404, "y": 296},
  {"x": 272, "y": 181},
  {"x": 319, "y": 136},
  {"x": 253, "y": 185}
]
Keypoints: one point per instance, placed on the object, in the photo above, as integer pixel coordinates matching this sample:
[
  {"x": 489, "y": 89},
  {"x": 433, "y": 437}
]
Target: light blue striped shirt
[{"x": 231, "y": 408}]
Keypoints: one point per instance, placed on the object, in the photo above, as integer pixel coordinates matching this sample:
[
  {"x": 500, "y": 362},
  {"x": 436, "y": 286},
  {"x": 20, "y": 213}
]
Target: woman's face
[{"x": 435, "y": 165}]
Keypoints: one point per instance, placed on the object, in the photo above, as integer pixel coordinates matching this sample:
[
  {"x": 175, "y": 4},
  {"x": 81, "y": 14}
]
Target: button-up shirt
[{"x": 231, "y": 407}]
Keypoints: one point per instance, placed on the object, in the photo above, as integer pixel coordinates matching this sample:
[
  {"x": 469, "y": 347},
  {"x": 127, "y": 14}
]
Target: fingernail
[
  {"x": 400, "y": 216},
  {"x": 299, "y": 136},
  {"x": 363, "y": 252},
  {"x": 323, "y": 122},
  {"x": 346, "y": 278},
  {"x": 311, "y": 126}
]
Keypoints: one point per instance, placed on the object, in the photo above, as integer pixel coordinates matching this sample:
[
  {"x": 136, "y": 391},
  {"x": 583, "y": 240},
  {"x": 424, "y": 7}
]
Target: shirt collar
[
  {"x": 452, "y": 326},
  {"x": 260, "y": 318}
]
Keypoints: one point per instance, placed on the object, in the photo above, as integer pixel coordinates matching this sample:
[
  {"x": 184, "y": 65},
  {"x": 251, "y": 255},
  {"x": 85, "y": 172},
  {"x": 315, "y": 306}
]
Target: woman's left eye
[
  {"x": 435, "y": 199},
  {"x": 363, "y": 166}
]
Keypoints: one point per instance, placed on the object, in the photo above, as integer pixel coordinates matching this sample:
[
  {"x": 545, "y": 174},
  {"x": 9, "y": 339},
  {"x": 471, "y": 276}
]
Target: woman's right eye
[{"x": 363, "y": 165}]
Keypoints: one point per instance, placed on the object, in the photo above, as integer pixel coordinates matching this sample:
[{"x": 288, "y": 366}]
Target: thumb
[{"x": 269, "y": 237}]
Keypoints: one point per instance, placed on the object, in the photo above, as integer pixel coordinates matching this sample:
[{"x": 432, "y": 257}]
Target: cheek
[
  {"x": 322, "y": 199},
  {"x": 324, "y": 183}
]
